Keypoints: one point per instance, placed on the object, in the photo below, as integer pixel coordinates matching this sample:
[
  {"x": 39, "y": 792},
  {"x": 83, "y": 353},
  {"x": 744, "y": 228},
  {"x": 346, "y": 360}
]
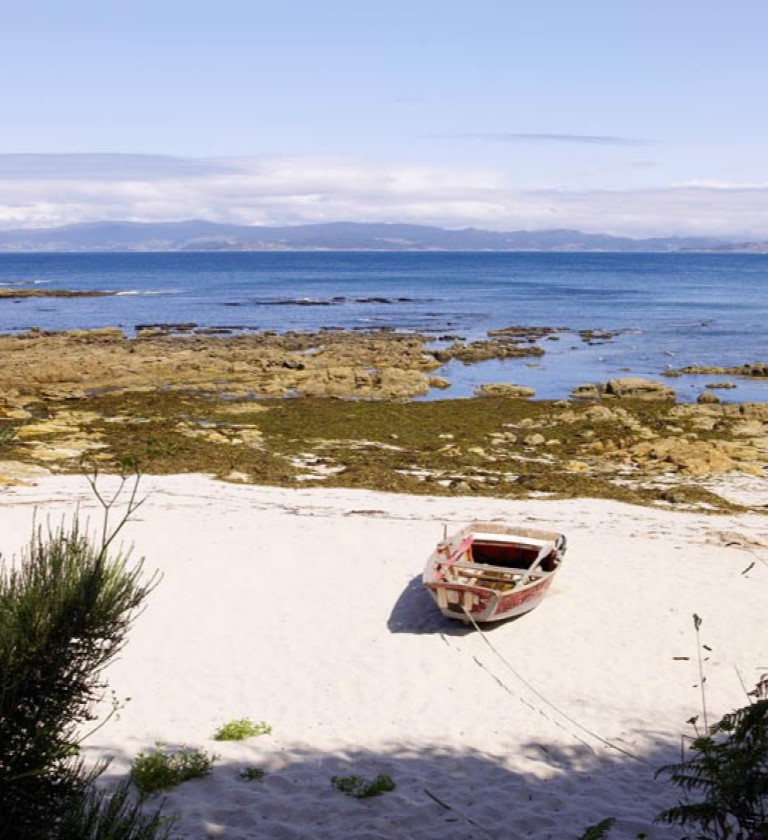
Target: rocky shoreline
[
  {"x": 11, "y": 293},
  {"x": 165, "y": 402}
]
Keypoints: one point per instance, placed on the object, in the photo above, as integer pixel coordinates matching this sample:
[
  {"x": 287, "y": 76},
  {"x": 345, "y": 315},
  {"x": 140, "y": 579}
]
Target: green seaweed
[{"x": 443, "y": 447}]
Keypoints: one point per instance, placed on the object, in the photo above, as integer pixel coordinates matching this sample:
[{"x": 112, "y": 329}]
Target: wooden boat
[{"x": 491, "y": 572}]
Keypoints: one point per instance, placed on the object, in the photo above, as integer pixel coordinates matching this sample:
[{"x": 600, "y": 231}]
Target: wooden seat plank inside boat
[{"x": 484, "y": 572}]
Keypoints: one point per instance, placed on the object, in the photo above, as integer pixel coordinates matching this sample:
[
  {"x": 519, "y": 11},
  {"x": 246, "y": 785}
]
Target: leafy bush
[
  {"x": 239, "y": 730},
  {"x": 362, "y": 788},
  {"x": 158, "y": 770},
  {"x": 729, "y": 771},
  {"x": 111, "y": 816},
  {"x": 65, "y": 609}
]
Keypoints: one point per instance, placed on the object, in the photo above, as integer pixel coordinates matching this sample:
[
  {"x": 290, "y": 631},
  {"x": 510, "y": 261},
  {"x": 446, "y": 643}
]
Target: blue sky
[{"x": 626, "y": 117}]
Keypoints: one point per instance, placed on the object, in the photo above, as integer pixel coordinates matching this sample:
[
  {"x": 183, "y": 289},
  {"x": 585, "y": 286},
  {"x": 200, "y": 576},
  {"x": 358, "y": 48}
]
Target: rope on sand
[{"x": 549, "y": 703}]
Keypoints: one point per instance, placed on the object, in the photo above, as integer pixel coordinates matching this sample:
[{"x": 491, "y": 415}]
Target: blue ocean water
[{"x": 670, "y": 310}]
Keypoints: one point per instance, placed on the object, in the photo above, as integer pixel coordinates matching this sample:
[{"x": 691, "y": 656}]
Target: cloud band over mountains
[{"x": 49, "y": 190}]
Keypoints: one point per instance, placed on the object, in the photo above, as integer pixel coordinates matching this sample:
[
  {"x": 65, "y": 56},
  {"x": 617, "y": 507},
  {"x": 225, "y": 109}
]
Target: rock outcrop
[
  {"x": 504, "y": 389},
  {"x": 382, "y": 364},
  {"x": 630, "y": 387},
  {"x": 752, "y": 369}
]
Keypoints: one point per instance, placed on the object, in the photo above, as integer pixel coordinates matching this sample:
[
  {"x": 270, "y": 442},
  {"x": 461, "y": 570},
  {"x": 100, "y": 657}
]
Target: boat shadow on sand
[{"x": 415, "y": 612}]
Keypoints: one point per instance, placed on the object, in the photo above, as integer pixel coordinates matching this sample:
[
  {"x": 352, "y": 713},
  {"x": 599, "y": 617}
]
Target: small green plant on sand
[
  {"x": 361, "y": 788},
  {"x": 252, "y": 774},
  {"x": 598, "y": 831},
  {"x": 159, "y": 770},
  {"x": 239, "y": 730}
]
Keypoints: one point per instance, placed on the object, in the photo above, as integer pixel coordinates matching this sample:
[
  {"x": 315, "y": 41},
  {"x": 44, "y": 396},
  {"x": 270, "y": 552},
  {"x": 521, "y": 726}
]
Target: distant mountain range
[{"x": 340, "y": 236}]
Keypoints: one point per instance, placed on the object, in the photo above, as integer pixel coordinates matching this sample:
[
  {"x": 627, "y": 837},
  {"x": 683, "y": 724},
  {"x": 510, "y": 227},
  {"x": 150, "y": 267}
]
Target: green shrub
[
  {"x": 728, "y": 773},
  {"x": 158, "y": 770},
  {"x": 100, "y": 815},
  {"x": 65, "y": 610},
  {"x": 239, "y": 730},
  {"x": 362, "y": 788}
]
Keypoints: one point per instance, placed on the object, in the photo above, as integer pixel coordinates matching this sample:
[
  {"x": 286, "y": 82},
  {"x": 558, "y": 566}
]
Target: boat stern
[{"x": 463, "y": 601}]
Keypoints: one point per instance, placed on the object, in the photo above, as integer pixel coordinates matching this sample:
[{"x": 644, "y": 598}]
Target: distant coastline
[{"x": 201, "y": 236}]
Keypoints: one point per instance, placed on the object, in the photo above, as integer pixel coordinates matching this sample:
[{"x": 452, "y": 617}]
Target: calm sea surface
[{"x": 670, "y": 310}]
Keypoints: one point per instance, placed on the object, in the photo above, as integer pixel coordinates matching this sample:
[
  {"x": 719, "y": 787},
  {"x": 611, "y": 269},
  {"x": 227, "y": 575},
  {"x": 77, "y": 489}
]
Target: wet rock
[
  {"x": 166, "y": 328},
  {"x": 62, "y": 365},
  {"x": 638, "y": 388},
  {"x": 480, "y": 351},
  {"x": 524, "y": 333},
  {"x": 101, "y": 334},
  {"x": 51, "y": 293},
  {"x": 598, "y": 336},
  {"x": 707, "y": 397},
  {"x": 439, "y": 382},
  {"x": 756, "y": 369},
  {"x": 504, "y": 389},
  {"x": 632, "y": 387},
  {"x": 759, "y": 369},
  {"x": 586, "y": 392}
]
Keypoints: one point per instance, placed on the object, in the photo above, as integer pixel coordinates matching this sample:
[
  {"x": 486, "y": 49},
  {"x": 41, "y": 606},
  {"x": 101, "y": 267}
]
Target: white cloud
[{"x": 49, "y": 190}]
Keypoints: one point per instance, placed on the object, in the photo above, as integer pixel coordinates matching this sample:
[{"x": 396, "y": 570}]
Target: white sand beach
[{"x": 304, "y": 608}]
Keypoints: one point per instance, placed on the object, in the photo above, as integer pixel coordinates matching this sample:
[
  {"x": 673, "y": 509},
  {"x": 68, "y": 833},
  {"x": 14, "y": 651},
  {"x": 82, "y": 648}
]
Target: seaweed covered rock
[
  {"x": 504, "y": 389},
  {"x": 629, "y": 387},
  {"x": 639, "y": 388}
]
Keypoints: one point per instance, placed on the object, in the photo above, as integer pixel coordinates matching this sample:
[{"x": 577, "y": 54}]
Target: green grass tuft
[
  {"x": 361, "y": 788},
  {"x": 252, "y": 774},
  {"x": 159, "y": 770},
  {"x": 239, "y": 730},
  {"x": 598, "y": 831}
]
